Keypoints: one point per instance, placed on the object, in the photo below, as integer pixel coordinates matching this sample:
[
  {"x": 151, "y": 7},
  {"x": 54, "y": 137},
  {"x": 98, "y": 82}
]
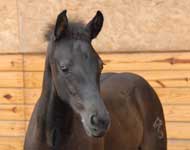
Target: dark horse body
[{"x": 137, "y": 120}]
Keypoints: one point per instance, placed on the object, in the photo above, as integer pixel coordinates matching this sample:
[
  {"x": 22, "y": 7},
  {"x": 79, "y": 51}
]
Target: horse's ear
[
  {"x": 95, "y": 25},
  {"x": 61, "y": 25}
]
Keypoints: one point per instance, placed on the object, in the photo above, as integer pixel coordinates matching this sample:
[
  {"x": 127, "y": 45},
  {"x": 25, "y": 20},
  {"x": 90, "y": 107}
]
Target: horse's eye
[{"x": 64, "y": 68}]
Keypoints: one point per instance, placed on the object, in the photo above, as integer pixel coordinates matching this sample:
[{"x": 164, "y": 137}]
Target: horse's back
[{"x": 136, "y": 113}]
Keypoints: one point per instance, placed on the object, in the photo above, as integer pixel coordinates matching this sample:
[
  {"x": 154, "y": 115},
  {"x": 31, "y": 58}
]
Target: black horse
[{"x": 72, "y": 110}]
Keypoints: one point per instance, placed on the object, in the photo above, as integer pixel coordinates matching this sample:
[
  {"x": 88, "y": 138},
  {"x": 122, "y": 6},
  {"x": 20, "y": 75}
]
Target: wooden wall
[{"x": 169, "y": 74}]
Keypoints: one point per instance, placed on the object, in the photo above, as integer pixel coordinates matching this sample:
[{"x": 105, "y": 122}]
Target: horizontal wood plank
[
  {"x": 19, "y": 112},
  {"x": 175, "y": 130},
  {"x": 32, "y": 95},
  {"x": 166, "y": 95},
  {"x": 178, "y": 144},
  {"x": 126, "y": 61},
  {"x": 178, "y": 130},
  {"x": 11, "y": 143},
  {"x": 11, "y": 79},
  {"x": 168, "y": 73},
  {"x": 180, "y": 96},
  {"x": 163, "y": 79},
  {"x": 11, "y": 62},
  {"x": 33, "y": 79},
  {"x": 34, "y": 62},
  {"x": 11, "y": 96},
  {"x": 12, "y": 128},
  {"x": 146, "y": 61},
  {"x": 12, "y": 112},
  {"x": 16, "y": 143},
  {"x": 172, "y": 112},
  {"x": 177, "y": 112}
]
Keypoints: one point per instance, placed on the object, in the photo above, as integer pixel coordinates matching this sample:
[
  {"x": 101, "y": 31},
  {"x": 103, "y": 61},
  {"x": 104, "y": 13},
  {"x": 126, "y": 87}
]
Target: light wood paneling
[
  {"x": 11, "y": 79},
  {"x": 16, "y": 143},
  {"x": 11, "y": 112},
  {"x": 179, "y": 145},
  {"x": 12, "y": 128},
  {"x": 175, "y": 130},
  {"x": 173, "y": 96},
  {"x": 163, "y": 79},
  {"x": 172, "y": 112},
  {"x": 126, "y": 61},
  {"x": 11, "y": 62},
  {"x": 169, "y": 74},
  {"x": 32, "y": 95},
  {"x": 177, "y": 112},
  {"x": 11, "y": 96},
  {"x": 11, "y": 143},
  {"x": 33, "y": 79}
]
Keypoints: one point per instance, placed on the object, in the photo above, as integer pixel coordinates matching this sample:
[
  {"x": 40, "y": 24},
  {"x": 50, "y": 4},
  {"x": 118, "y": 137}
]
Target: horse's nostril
[
  {"x": 99, "y": 122},
  {"x": 94, "y": 120}
]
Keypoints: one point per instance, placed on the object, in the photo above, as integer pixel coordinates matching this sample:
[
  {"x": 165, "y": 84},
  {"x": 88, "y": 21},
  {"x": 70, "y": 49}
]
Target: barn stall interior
[{"x": 150, "y": 38}]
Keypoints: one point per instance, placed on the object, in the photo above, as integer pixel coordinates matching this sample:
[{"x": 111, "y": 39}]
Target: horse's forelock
[{"x": 74, "y": 27}]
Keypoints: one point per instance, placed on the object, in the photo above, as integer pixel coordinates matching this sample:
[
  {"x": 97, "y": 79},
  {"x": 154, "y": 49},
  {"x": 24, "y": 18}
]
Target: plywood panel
[
  {"x": 168, "y": 73},
  {"x": 11, "y": 96},
  {"x": 126, "y": 61},
  {"x": 33, "y": 79},
  {"x": 175, "y": 130},
  {"x": 11, "y": 79},
  {"x": 166, "y": 95},
  {"x": 179, "y": 145},
  {"x": 174, "y": 95},
  {"x": 32, "y": 95},
  {"x": 11, "y": 143},
  {"x": 177, "y": 112},
  {"x": 16, "y": 143},
  {"x": 156, "y": 78},
  {"x": 172, "y": 112},
  {"x": 12, "y": 128},
  {"x": 178, "y": 130},
  {"x": 11, "y": 62},
  {"x": 11, "y": 112},
  {"x": 34, "y": 62}
]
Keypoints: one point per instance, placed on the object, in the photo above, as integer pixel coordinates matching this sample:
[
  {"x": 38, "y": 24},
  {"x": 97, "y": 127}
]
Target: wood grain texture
[
  {"x": 172, "y": 96},
  {"x": 175, "y": 130},
  {"x": 165, "y": 79},
  {"x": 179, "y": 145},
  {"x": 11, "y": 143},
  {"x": 11, "y": 79},
  {"x": 176, "y": 113},
  {"x": 12, "y": 128},
  {"x": 16, "y": 143},
  {"x": 11, "y": 96},
  {"x": 12, "y": 112},
  {"x": 11, "y": 62},
  {"x": 126, "y": 61},
  {"x": 168, "y": 73},
  {"x": 17, "y": 112}
]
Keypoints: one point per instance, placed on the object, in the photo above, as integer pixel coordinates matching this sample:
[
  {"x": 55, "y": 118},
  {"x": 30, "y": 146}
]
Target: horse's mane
[{"x": 74, "y": 27}]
